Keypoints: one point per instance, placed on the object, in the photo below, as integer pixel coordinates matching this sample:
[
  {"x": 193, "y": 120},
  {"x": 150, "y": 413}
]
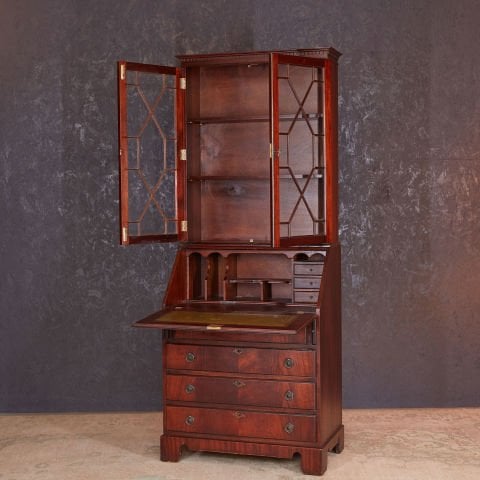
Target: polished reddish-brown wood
[
  {"x": 266, "y": 361},
  {"x": 241, "y": 390},
  {"x": 256, "y": 196}
]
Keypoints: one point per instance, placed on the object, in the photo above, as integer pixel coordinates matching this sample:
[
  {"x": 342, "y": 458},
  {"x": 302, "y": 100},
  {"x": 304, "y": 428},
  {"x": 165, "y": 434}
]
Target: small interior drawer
[
  {"x": 308, "y": 268},
  {"x": 305, "y": 296},
  {"x": 307, "y": 283}
]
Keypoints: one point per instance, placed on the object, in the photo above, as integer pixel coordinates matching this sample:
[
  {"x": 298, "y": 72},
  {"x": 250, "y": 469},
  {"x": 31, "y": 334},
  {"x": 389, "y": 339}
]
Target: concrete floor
[{"x": 408, "y": 444}]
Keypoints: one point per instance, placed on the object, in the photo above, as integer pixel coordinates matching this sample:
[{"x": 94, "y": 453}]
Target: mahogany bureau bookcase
[{"x": 235, "y": 157}]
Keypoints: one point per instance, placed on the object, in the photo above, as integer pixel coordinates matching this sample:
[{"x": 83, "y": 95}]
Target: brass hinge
[
  {"x": 124, "y": 234},
  {"x": 122, "y": 71},
  {"x": 183, "y": 154},
  {"x": 184, "y": 226},
  {"x": 271, "y": 151},
  {"x": 183, "y": 83}
]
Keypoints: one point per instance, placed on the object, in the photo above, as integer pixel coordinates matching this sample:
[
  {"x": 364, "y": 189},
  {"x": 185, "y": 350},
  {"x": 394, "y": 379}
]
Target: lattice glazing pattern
[
  {"x": 152, "y": 147},
  {"x": 301, "y": 151}
]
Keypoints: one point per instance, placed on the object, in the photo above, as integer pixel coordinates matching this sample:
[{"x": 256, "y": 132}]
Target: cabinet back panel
[
  {"x": 235, "y": 211},
  {"x": 263, "y": 266},
  {"x": 234, "y": 90},
  {"x": 235, "y": 149}
]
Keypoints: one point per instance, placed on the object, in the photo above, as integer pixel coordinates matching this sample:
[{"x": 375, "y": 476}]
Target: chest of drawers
[{"x": 241, "y": 392}]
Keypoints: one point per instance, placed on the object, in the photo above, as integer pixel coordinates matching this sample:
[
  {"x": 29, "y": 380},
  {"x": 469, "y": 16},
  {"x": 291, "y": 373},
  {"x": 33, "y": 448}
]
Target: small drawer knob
[
  {"x": 190, "y": 388},
  {"x": 190, "y": 420},
  {"x": 289, "y": 428},
  {"x": 288, "y": 363},
  {"x": 190, "y": 357},
  {"x": 289, "y": 395}
]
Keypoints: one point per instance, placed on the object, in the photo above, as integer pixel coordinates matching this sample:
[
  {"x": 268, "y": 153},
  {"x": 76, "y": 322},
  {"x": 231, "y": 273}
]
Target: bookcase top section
[{"x": 256, "y": 57}]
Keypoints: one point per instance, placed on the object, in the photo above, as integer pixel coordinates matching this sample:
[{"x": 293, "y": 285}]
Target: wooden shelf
[
  {"x": 258, "y": 280},
  {"x": 202, "y": 178},
  {"x": 251, "y": 119},
  {"x": 299, "y": 176}
]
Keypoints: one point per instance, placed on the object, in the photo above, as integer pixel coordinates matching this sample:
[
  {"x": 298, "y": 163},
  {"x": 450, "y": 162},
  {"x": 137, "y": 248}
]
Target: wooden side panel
[
  {"x": 331, "y": 150},
  {"x": 329, "y": 388},
  {"x": 177, "y": 285}
]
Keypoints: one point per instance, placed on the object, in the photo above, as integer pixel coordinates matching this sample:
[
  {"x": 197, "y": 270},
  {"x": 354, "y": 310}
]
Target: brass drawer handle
[
  {"x": 190, "y": 357},
  {"x": 289, "y": 395},
  {"x": 288, "y": 363},
  {"x": 289, "y": 428},
  {"x": 239, "y": 383},
  {"x": 190, "y": 420},
  {"x": 190, "y": 388}
]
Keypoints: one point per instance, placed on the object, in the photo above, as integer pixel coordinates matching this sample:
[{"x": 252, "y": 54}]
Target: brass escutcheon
[{"x": 239, "y": 383}]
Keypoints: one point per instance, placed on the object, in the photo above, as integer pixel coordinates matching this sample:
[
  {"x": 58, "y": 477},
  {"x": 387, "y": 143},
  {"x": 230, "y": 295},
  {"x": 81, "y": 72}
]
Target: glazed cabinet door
[
  {"x": 151, "y": 146},
  {"x": 303, "y": 132}
]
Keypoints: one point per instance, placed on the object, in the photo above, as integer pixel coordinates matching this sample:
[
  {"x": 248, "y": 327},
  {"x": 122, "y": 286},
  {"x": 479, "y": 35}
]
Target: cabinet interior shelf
[
  {"x": 252, "y": 119},
  {"x": 258, "y": 280},
  {"x": 200, "y": 178},
  {"x": 203, "y": 178},
  {"x": 299, "y": 176}
]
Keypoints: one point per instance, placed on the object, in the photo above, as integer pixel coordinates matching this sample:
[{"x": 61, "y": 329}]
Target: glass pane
[
  {"x": 152, "y": 146},
  {"x": 301, "y": 150}
]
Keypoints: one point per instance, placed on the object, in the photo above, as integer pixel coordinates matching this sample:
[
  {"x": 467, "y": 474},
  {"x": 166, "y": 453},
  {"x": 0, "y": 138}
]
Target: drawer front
[
  {"x": 305, "y": 296},
  {"x": 308, "y": 268},
  {"x": 240, "y": 360},
  {"x": 241, "y": 423},
  {"x": 307, "y": 282},
  {"x": 240, "y": 391}
]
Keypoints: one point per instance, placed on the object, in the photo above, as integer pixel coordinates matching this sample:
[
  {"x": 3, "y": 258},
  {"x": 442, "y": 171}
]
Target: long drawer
[
  {"x": 263, "y": 361},
  {"x": 240, "y": 391},
  {"x": 241, "y": 423}
]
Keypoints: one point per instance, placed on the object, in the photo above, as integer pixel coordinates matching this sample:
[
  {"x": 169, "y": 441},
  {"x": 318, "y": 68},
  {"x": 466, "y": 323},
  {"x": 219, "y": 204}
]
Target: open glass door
[
  {"x": 150, "y": 150},
  {"x": 298, "y": 139}
]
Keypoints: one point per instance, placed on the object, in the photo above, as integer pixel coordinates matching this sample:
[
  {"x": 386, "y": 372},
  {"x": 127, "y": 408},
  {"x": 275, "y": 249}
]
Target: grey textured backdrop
[{"x": 410, "y": 193}]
